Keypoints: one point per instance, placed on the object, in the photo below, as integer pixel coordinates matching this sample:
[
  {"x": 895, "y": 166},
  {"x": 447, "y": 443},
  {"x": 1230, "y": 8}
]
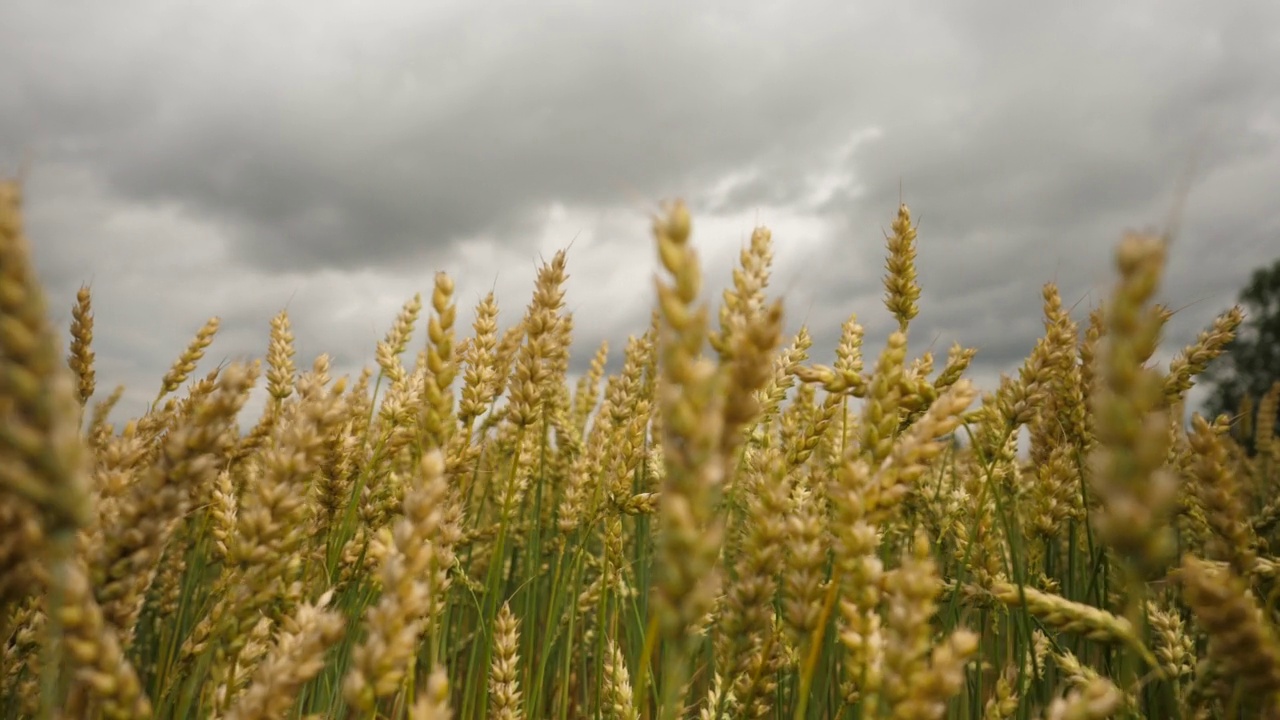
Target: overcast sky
[{"x": 234, "y": 158}]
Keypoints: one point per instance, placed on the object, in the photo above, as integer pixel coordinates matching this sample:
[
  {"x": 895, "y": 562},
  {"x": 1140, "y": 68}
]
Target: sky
[{"x": 187, "y": 160}]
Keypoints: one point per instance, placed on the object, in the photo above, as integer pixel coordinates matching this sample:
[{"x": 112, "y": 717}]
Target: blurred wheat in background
[{"x": 723, "y": 529}]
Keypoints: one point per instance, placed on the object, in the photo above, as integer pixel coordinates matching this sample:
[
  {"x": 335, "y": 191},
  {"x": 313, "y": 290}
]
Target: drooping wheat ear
[
  {"x": 40, "y": 449},
  {"x": 81, "y": 356},
  {"x": 1241, "y": 640},
  {"x": 1194, "y": 359},
  {"x": 1135, "y": 494},
  {"x": 1062, "y": 614},
  {"x": 186, "y": 362},
  {"x": 298, "y": 656},
  {"x": 504, "y": 691},
  {"x": 281, "y": 370},
  {"x": 900, "y": 286}
]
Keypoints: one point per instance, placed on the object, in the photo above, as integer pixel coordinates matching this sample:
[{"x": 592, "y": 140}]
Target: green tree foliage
[{"x": 1251, "y": 363}]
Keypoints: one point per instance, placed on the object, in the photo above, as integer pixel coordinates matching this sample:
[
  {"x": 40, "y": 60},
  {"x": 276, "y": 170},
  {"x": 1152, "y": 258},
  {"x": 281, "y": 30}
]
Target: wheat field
[{"x": 725, "y": 528}]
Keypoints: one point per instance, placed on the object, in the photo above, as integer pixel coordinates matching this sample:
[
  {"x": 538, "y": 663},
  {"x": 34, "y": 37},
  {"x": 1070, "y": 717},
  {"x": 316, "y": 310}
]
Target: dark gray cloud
[{"x": 238, "y": 159}]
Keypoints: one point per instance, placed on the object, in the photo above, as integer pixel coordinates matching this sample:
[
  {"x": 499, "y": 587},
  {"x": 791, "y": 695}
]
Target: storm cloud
[{"x": 239, "y": 158}]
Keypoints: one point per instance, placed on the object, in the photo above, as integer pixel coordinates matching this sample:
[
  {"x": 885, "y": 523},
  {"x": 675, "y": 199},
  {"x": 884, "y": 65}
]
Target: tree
[{"x": 1250, "y": 363}]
